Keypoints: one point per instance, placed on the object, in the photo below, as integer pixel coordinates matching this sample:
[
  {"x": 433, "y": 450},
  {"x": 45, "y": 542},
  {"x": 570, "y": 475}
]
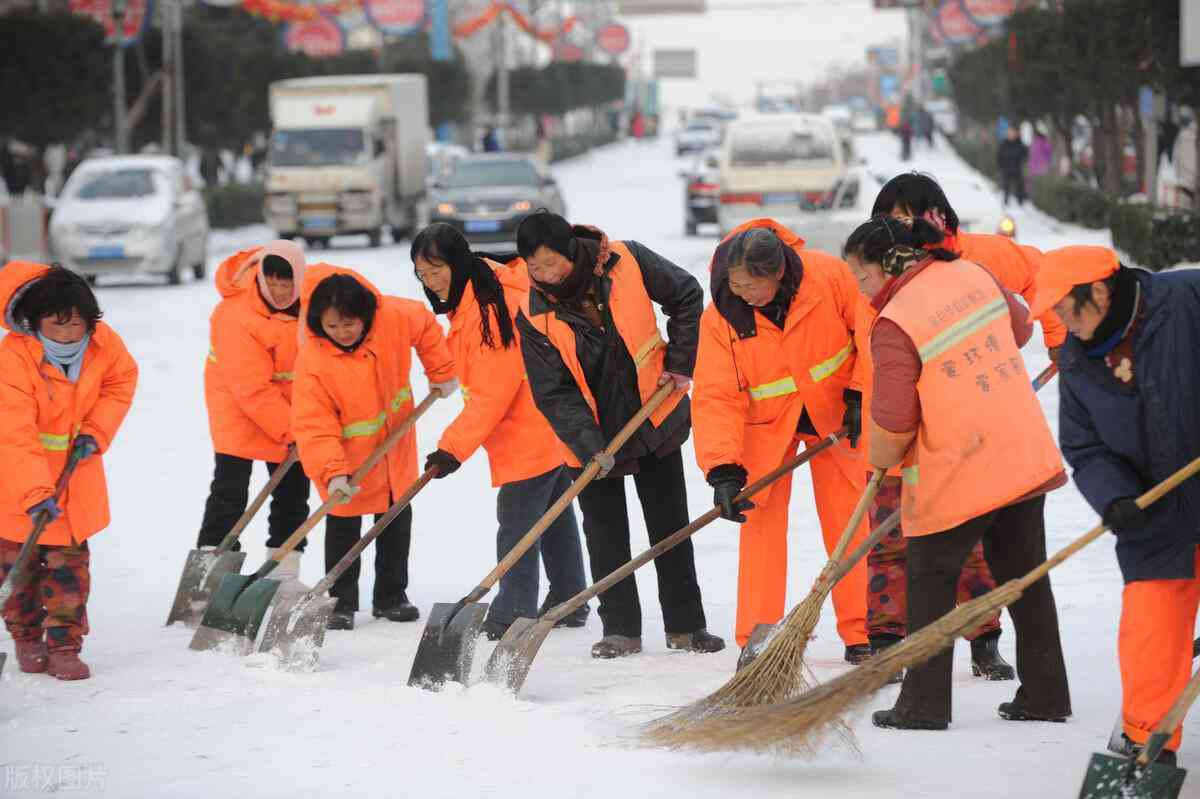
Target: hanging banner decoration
[
  {"x": 954, "y": 25},
  {"x": 990, "y": 13},
  {"x": 613, "y": 38},
  {"x": 395, "y": 17},
  {"x": 282, "y": 11},
  {"x": 468, "y": 28},
  {"x": 316, "y": 38},
  {"x": 133, "y": 21},
  {"x": 568, "y": 52},
  {"x": 440, "y": 47}
]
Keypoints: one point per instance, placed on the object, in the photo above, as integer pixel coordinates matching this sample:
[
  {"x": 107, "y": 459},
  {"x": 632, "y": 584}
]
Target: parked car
[
  {"x": 846, "y": 207},
  {"x": 440, "y": 158},
  {"x": 777, "y": 165},
  {"x": 701, "y": 192},
  {"x": 130, "y": 215},
  {"x": 697, "y": 135},
  {"x": 487, "y": 196},
  {"x": 864, "y": 120}
]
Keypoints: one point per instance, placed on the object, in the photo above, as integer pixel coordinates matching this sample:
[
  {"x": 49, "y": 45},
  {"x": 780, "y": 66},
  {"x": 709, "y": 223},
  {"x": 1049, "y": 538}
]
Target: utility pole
[
  {"x": 180, "y": 115},
  {"x": 503, "y": 105},
  {"x": 168, "y": 84},
  {"x": 120, "y": 126}
]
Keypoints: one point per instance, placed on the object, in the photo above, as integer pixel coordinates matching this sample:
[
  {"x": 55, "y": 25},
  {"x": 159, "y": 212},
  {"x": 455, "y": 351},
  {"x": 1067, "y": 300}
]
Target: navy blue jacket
[{"x": 1120, "y": 442}]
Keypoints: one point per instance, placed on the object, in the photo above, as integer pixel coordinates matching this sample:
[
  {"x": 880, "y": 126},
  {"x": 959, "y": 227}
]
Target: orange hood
[
  {"x": 15, "y": 279},
  {"x": 233, "y": 273}
]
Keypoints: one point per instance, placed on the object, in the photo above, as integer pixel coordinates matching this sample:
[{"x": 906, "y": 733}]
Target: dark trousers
[
  {"x": 230, "y": 493},
  {"x": 519, "y": 505},
  {"x": 391, "y": 559},
  {"x": 663, "y": 496},
  {"x": 1013, "y": 183},
  {"x": 1014, "y": 543}
]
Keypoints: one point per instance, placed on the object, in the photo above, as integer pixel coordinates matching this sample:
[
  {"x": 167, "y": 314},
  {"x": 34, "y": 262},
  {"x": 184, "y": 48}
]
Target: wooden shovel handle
[
  {"x": 361, "y": 472},
  {"x": 276, "y": 478},
  {"x": 1170, "y": 722},
  {"x": 564, "y": 501},
  {"x": 397, "y": 508},
  {"x": 680, "y": 535}
]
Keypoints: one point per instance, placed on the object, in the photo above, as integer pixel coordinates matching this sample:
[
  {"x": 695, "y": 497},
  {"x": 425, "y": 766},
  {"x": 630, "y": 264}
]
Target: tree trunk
[{"x": 1111, "y": 146}]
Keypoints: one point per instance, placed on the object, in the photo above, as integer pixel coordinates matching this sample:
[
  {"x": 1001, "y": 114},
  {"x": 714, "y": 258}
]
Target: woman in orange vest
[
  {"x": 253, "y": 337},
  {"x": 481, "y": 297},
  {"x": 66, "y": 383},
  {"x": 594, "y": 355},
  {"x": 776, "y": 367},
  {"x": 953, "y": 406},
  {"x": 352, "y": 388}
]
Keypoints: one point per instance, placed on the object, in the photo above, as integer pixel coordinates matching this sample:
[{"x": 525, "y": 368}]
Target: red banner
[
  {"x": 613, "y": 38},
  {"x": 136, "y": 12},
  {"x": 989, "y": 13},
  {"x": 470, "y": 27},
  {"x": 395, "y": 17},
  {"x": 316, "y": 38},
  {"x": 954, "y": 25}
]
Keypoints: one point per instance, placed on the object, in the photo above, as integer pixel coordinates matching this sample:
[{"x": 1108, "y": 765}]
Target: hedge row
[
  {"x": 1156, "y": 238},
  {"x": 234, "y": 205},
  {"x": 1071, "y": 201},
  {"x": 571, "y": 146}
]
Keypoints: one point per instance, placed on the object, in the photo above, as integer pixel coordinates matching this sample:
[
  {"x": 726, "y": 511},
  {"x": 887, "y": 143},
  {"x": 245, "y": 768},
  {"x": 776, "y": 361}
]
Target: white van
[{"x": 777, "y": 165}]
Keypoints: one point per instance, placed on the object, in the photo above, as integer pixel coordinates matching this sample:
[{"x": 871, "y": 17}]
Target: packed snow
[{"x": 157, "y": 719}]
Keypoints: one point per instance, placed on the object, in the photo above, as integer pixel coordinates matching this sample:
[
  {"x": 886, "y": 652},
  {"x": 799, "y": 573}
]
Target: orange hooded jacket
[
  {"x": 41, "y": 412},
  {"x": 1015, "y": 266},
  {"x": 344, "y": 404},
  {"x": 499, "y": 411},
  {"x": 249, "y": 370}
]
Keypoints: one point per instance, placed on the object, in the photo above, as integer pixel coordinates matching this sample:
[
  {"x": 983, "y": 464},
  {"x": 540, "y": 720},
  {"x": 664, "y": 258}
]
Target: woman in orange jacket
[
  {"x": 777, "y": 367},
  {"x": 351, "y": 389},
  {"x": 66, "y": 383},
  {"x": 481, "y": 297},
  {"x": 253, "y": 337}
]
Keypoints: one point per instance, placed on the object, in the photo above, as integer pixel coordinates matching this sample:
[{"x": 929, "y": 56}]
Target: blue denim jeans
[{"x": 518, "y": 507}]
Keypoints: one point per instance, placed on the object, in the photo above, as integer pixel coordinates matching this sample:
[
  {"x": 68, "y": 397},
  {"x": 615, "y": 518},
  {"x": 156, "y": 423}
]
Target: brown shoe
[
  {"x": 700, "y": 641},
  {"x": 65, "y": 665},
  {"x": 616, "y": 646},
  {"x": 31, "y": 655}
]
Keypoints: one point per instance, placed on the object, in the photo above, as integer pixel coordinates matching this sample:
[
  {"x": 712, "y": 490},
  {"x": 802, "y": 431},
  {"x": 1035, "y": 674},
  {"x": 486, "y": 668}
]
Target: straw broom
[
  {"x": 778, "y": 673},
  {"x": 796, "y": 726}
]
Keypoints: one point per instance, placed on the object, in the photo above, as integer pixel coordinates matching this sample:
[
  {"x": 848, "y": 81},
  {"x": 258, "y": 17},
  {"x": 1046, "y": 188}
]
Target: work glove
[
  {"x": 1123, "y": 516},
  {"x": 443, "y": 461},
  {"x": 85, "y": 447},
  {"x": 447, "y": 388},
  {"x": 46, "y": 506},
  {"x": 682, "y": 382},
  {"x": 606, "y": 463},
  {"x": 852, "y": 418},
  {"x": 1053, "y": 353},
  {"x": 727, "y": 481},
  {"x": 340, "y": 485}
]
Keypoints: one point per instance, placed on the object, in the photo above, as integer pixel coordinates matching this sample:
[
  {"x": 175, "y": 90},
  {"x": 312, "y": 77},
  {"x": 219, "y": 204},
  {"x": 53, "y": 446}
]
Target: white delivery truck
[{"x": 347, "y": 155}]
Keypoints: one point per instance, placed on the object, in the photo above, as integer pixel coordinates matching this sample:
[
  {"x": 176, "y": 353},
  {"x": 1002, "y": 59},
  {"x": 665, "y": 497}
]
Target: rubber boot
[
  {"x": 1011, "y": 711},
  {"x": 986, "y": 661},
  {"x": 31, "y": 655},
  {"x": 403, "y": 610},
  {"x": 64, "y": 664}
]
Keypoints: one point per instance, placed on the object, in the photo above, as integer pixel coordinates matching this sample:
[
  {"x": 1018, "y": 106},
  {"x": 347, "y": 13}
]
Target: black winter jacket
[{"x": 609, "y": 368}]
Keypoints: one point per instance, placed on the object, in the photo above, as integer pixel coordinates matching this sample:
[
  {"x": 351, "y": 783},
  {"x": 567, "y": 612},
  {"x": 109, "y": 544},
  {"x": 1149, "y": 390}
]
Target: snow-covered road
[{"x": 158, "y": 720}]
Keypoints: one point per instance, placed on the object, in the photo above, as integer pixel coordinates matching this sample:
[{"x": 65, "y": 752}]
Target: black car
[
  {"x": 701, "y": 192},
  {"x": 487, "y": 196}
]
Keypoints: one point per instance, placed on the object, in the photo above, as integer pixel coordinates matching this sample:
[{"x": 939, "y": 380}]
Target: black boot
[
  {"x": 882, "y": 642},
  {"x": 699, "y": 641},
  {"x": 891, "y": 720},
  {"x": 494, "y": 630},
  {"x": 986, "y": 661},
  {"x": 401, "y": 610},
  {"x": 341, "y": 620},
  {"x": 577, "y": 617},
  {"x": 1011, "y": 711},
  {"x": 857, "y": 653}
]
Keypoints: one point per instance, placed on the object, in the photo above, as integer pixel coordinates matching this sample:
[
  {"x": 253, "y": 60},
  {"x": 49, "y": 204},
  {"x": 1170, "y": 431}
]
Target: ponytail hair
[{"x": 896, "y": 244}]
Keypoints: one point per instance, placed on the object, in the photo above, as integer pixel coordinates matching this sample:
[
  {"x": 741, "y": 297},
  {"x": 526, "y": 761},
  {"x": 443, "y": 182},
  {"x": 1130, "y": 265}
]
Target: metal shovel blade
[
  {"x": 759, "y": 638},
  {"x": 1110, "y": 777},
  {"x": 202, "y": 573},
  {"x": 447, "y": 654},
  {"x": 513, "y": 657},
  {"x": 235, "y": 614},
  {"x": 3, "y": 658},
  {"x": 294, "y": 631}
]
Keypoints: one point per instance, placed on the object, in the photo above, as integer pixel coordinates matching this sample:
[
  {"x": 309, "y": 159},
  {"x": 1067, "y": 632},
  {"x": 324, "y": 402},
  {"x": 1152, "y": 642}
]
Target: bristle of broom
[{"x": 797, "y": 726}]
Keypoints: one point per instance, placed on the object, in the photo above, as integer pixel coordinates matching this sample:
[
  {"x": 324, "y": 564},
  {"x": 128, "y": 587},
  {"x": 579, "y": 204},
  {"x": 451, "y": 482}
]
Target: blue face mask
[{"x": 68, "y": 357}]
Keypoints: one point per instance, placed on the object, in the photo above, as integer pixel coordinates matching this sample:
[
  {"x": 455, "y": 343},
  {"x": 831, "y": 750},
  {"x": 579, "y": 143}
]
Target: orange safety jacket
[
  {"x": 1015, "y": 266},
  {"x": 983, "y": 441}
]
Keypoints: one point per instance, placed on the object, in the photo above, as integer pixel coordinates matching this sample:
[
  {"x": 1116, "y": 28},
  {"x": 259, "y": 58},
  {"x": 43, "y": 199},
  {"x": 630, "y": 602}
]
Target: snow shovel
[
  {"x": 513, "y": 657},
  {"x": 447, "y": 646},
  {"x": 240, "y": 602},
  {"x": 295, "y": 629},
  {"x": 39, "y": 526},
  {"x": 1112, "y": 777},
  {"x": 203, "y": 569}
]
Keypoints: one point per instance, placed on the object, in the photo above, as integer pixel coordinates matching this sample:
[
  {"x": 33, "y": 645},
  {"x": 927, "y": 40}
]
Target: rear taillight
[
  {"x": 741, "y": 198},
  {"x": 816, "y": 197},
  {"x": 700, "y": 187}
]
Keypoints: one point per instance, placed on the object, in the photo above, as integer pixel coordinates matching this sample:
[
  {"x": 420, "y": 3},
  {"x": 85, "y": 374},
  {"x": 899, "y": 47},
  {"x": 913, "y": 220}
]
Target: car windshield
[
  {"x": 773, "y": 145},
  {"x": 116, "y": 184},
  {"x": 318, "y": 147},
  {"x": 470, "y": 172}
]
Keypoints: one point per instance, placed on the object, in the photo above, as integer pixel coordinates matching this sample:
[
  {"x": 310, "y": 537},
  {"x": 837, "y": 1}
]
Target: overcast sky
[{"x": 737, "y": 46}]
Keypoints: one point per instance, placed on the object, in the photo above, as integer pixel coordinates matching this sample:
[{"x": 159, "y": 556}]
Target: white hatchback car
[{"x": 130, "y": 215}]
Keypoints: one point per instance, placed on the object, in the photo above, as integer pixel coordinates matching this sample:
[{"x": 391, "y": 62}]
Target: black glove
[
  {"x": 85, "y": 447},
  {"x": 852, "y": 418},
  {"x": 443, "y": 461},
  {"x": 1124, "y": 516},
  {"x": 727, "y": 481}
]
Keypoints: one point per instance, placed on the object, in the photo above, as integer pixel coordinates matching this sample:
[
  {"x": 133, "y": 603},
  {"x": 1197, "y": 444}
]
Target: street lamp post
[{"x": 120, "y": 128}]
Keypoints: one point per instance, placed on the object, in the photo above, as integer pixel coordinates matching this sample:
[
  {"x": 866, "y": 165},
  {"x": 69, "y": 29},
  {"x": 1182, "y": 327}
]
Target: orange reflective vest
[
  {"x": 633, "y": 314},
  {"x": 498, "y": 411},
  {"x": 983, "y": 441},
  {"x": 41, "y": 413},
  {"x": 249, "y": 369},
  {"x": 1015, "y": 266},
  {"x": 344, "y": 404},
  {"x": 750, "y": 392}
]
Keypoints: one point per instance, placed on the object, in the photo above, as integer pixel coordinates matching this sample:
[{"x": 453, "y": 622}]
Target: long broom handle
[
  {"x": 561, "y": 504},
  {"x": 860, "y": 510},
  {"x": 566, "y": 608},
  {"x": 39, "y": 525},
  {"x": 1166, "y": 728},
  {"x": 397, "y": 508},
  {"x": 1045, "y": 376},
  {"x": 361, "y": 472},
  {"x": 276, "y": 478}
]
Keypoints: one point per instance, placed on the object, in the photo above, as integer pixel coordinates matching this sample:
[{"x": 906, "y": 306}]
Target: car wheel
[
  {"x": 175, "y": 276},
  {"x": 200, "y": 268},
  {"x": 91, "y": 279},
  {"x": 375, "y": 237},
  {"x": 689, "y": 227}
]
